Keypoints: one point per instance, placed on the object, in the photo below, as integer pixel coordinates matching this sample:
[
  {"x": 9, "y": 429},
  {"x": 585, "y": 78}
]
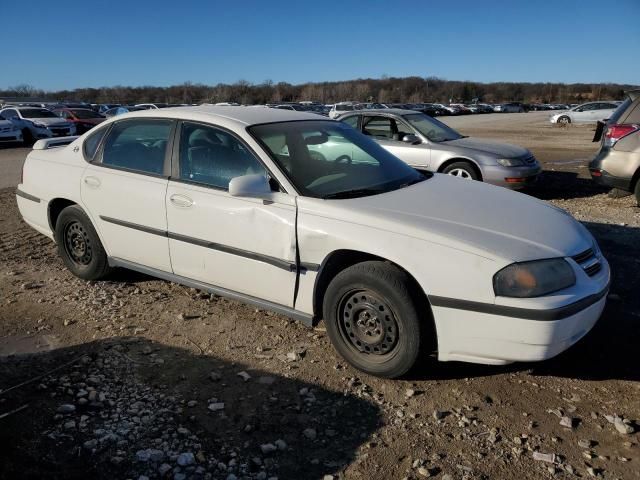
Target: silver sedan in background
[{"x": 428, "y": 144}]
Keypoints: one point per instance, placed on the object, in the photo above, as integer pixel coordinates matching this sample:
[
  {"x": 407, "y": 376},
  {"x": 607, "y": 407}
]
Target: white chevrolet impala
[{"x": 307, "y": 217}]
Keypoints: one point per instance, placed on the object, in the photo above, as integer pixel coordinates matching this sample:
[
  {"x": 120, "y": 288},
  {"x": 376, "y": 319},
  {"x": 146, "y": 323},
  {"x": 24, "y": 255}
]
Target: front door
[
  {"x": 124, "y": 191},
  {"x": 389, "y": 133},
  {"x": 245, "y": 245}
]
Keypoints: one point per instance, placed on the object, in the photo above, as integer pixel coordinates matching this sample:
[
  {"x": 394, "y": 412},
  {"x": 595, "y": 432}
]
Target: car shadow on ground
[
  {"x": 608, "y": 351},
  {"x": 264, "y": 409},
  {"x": 554, "y": 185}
]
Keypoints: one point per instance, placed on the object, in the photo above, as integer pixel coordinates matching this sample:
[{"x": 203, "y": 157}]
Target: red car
[{"x": 83, "y": 118}]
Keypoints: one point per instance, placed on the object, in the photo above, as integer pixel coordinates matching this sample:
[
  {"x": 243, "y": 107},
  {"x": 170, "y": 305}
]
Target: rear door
[
  {"x": 245, "y": 245},
  {"x": 124, "y": 191}
]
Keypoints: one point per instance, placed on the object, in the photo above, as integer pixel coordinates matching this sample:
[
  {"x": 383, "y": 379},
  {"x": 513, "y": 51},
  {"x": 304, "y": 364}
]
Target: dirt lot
[{"x": 139, "y": 378}]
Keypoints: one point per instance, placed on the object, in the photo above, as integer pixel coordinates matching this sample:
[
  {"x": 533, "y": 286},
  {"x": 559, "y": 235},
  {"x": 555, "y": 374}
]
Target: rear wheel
[
  {"x": 372, "y": 319},
  {"x": 461, "y": 170},
  {"x": 637, "y": 191},
  {"x": 79, "y": 245}
]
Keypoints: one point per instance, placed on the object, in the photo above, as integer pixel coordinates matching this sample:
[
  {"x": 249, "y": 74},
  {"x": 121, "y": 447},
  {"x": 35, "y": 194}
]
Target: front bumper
[
  {"x": 511, "y": 177},
  {"x": 495, "y": 340},
  {"x": 504, "y": 332},
  {"x": 14, "y": 136}
]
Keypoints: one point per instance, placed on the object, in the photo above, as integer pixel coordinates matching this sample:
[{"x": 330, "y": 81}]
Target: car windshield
[
  {"x": 37, "y": 113},
  {"x": 431, "y": 128},
  {"x": 332, "y": 160},
  {"x": 344, "y": 108},
  {"x": 81, "y": 113}
]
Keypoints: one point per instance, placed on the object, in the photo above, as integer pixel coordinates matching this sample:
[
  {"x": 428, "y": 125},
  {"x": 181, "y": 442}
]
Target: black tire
[
  {"x": 637, "y": 192},
  {"x": 564, "y": 120},
  {"x": 617, "y": 193},
  {"x": 462, "y": 170},
  {"x": 27, "y": 137},
  {"x": 384, "y": 346},
  {"x": 79, "y": 245}
]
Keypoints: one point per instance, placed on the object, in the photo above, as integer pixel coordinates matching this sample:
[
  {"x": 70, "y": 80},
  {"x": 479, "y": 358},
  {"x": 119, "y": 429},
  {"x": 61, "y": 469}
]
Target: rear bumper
[
  {"x": 613, "y": 169},
  {"x": 34, "y": 211},
  {"x": 602, "y": 177}
]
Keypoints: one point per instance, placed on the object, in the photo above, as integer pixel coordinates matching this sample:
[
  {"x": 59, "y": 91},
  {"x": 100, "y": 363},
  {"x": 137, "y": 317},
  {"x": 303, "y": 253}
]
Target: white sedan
[
  {"x": 237, "y": 201},
  {"x": 591, "y": 112}
]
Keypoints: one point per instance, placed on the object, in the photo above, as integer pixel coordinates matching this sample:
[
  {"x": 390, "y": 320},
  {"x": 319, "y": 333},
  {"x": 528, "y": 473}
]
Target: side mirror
[
  {"x": 256, "y": 186},
  {"x": 412, "y": 139}
]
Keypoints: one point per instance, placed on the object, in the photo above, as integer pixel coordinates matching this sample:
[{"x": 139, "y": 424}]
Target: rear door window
[
  {"x": 378, "y": 127},
  {"x": 138, "y": 145}
]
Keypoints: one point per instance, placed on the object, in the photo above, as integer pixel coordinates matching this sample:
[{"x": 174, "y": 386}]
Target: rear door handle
[
  {"x": 92, "y": 181},
  {"x": 181, "y": 201}
]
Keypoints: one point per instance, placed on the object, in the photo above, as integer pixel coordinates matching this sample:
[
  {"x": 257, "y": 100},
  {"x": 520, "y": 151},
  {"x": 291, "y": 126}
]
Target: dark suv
[{"x": 617, "y": 164}]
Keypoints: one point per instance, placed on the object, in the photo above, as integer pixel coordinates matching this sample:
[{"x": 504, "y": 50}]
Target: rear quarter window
[
  {"x": 622, "y": 111},
  {"x": 634, "y": 112},
  {"x": 91, "y": 143}
]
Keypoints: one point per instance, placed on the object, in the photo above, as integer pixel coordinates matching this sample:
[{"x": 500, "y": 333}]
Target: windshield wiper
[
  {"x": 421, "y": 178},
  {"x": 358, "y": 192}
]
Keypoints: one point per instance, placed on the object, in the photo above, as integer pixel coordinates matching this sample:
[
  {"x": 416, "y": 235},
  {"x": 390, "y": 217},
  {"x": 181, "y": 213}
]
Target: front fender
[{"x": 439, "y": 269}]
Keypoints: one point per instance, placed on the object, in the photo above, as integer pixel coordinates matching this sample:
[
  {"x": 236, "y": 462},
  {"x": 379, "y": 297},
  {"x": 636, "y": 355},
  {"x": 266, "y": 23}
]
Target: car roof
[
  {"x": 388, "y": 111},
  {"x": 238, "y": 115},
  {"x": 24, "y": 107}
]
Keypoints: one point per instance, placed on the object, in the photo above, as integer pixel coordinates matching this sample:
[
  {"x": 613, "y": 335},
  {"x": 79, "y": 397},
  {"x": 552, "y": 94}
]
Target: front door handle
[
  {"x": 181, "y": 201},
  {"x": 93, "y": 182}
]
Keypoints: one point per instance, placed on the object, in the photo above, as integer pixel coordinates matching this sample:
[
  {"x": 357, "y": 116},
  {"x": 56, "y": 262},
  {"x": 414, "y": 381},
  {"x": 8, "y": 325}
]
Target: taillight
[{"x": 617, "y": 132}]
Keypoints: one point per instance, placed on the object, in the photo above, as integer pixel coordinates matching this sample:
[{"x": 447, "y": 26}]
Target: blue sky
[{"x": 55, "y": 45}]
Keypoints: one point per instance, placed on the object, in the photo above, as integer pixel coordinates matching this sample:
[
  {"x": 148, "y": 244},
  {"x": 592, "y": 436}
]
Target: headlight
[
  {"x": 533, "y": 279},
  {"x": 511, "y": 162}
]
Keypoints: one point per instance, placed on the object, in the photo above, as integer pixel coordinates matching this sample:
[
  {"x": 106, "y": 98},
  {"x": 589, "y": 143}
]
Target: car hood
[
  {"x": 502, "y": 150},
  {"x": 489, "y": 221},
  {"x": 50, "y": 122}
]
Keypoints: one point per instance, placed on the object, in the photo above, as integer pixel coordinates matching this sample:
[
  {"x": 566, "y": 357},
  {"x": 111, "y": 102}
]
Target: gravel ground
[{"x": 139, "y": 378}]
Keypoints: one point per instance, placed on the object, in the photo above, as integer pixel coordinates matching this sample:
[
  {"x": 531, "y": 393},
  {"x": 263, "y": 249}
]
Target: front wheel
[
  {"x": 461, "y": 170},
  {"x": 79, "y": 245},
  {"x": 637, "y": 192},
  {"x": 372, "y": 319},
  {"x": 27, "y": 137},
  {"x": 564, "y": 120}
]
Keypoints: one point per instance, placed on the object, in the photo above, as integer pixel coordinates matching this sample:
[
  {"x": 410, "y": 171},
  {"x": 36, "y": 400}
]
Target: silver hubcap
[{"x": 459, "y": 172}]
